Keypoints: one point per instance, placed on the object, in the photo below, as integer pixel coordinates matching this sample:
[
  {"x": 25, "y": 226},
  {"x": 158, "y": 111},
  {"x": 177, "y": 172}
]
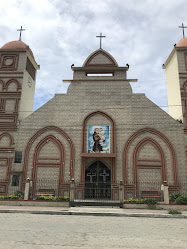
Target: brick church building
[{"x": 99, "y": 133}]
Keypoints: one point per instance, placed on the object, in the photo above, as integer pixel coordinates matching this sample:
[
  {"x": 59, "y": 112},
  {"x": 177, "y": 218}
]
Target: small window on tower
[
  {"x": 15, "y": 180},
  {"x": 30, "y": 69},
  {"x": 18, "y": 157}
]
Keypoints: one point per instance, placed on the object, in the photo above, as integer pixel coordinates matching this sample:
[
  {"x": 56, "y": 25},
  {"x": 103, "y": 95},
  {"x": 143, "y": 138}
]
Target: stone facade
[{"x": 146, "y": 144}]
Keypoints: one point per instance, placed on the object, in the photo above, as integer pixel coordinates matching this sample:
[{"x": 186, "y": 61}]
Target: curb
[{"x": 179, "y": 216}]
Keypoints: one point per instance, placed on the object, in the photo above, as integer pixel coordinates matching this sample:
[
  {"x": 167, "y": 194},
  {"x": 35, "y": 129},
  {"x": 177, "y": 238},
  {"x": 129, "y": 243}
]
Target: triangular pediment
[{"x": 100, "y": 58}]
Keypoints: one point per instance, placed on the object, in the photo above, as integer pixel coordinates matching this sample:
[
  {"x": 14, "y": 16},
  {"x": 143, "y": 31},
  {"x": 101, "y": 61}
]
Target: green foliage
[
  {"x": 131, "y": 200},
  {"x": 52, "y": 198},
  {"x": 18, "y": 195},
  {"x": 13, "y": 197},
  {"x": 181, "y": 200},
  {"x": 62, "y": 198},
  {"x": 151, "y": 201},
  {"x": 173, "y": 211},
  {"x": 173, "y": 196}
]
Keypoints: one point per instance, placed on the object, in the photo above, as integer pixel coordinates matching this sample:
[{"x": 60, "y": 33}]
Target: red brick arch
[
  {"x": 160, "y": 135},
  {"x": 36, "y": 156},
  {"x": 34, "y": 137},
  {"x": 106, "y": 115},
  {"x": 185, "y": 86},
  {"x": 13, "y": 81},
  {"x": 10, "y": 137},
  {"x": 113, "y": 129},
  {"x": 138, "y": 147},
  {"x": 3, "y": 84}
]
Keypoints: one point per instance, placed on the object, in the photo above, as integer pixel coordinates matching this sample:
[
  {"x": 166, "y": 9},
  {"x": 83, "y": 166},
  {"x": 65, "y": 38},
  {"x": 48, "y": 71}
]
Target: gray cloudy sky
[{"x": 62, "y": 32}]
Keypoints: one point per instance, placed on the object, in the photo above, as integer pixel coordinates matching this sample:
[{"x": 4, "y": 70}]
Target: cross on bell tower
[
  {"x": 20, "y": 32},
  {"x": 100, "y": 36},
  {"x": 183, "y": 27}
]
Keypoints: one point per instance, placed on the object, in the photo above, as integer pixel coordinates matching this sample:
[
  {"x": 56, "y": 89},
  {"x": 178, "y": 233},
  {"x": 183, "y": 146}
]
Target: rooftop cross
[
  {"x": 20, "y": 32},
  {"x": 100, "y": 36},
  {"x": 183, "y": 27}
]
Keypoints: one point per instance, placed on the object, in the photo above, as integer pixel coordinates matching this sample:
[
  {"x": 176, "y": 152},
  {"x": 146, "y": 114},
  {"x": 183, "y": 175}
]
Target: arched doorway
[{"x": 97, "y": 181}]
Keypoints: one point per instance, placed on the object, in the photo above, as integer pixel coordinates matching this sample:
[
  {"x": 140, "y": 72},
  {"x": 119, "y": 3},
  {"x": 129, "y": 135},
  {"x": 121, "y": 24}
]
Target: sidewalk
[{"x": 91, "y": 211}]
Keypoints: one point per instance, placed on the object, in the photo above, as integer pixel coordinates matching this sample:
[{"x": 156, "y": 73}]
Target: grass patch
[{"x": 174, "y": 211}]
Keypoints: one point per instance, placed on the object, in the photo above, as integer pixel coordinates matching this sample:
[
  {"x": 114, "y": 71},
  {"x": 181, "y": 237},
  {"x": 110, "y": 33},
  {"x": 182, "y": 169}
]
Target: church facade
[{"x": 99, "y": 132}]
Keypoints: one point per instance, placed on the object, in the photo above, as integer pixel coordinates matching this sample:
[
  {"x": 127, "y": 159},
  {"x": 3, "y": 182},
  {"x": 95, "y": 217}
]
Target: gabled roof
[{"x": 100, "y": 58}]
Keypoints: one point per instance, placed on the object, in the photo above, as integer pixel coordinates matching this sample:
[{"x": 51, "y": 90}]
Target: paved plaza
[{"x": 21, "y": 230}]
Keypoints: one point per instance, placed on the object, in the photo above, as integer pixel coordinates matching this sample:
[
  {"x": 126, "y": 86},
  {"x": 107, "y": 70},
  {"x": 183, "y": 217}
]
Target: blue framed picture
[{"x": 98, "y": 139}]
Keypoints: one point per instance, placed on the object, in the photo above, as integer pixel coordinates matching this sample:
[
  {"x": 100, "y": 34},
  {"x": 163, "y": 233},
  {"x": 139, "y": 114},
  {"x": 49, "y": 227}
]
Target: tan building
[{"x": 99, "y": 133}]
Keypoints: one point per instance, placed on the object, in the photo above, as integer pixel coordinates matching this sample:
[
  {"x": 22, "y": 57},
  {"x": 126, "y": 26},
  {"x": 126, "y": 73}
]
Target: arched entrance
[{"x": 97, "y": 181}]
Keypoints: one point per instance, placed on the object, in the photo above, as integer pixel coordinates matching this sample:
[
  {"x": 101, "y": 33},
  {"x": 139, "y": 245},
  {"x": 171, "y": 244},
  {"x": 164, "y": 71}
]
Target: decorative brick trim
[
  {"x": 160, "y": 135},
  {"x": 8, "y": 162},
  {"x": 2, "y": 83},
  {"x": 96, "y": 155},
  {"x": 148, "y": 160},
  {"x": 11, "y": 72},
  {"x": 184, "y": 86},
  {"x": 12, "y": 66},
  {"x": 8, "y": 125},
  {"x": 113, "y": 168},
  {"x": 37, "y": 164},
  {"x": 13, "y": 81},
  {"x": 11, "y": 141},
  {"x": 5, "y": 95},
  {"x": 65, "y": 187},
  {"x": 4, "y": 185},
  {"x": 34, "y": 137},
  {"x": 184, "y": 95},
  {"x": 136, "y": 165},
  {"x": 173, "y": 188},
  {"x": 10, "y": 94}
]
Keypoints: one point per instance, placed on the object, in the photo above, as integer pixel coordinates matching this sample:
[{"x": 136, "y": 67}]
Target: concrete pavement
[
  {"x": 35, "y": 231},
  {"x": 92, "y": 211}
]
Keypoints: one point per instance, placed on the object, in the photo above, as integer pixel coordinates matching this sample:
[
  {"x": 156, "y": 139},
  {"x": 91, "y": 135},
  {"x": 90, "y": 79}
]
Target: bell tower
[
  {"x": 176, "y": 79},
  {"x": 17, "y": 83}
]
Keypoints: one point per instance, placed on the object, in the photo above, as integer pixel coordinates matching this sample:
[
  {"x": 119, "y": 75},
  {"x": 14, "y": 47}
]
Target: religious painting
[{"x": 98, "y": 139}]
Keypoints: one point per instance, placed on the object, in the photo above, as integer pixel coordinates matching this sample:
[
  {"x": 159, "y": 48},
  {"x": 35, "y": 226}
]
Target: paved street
[{"x": 66, "y": 231}]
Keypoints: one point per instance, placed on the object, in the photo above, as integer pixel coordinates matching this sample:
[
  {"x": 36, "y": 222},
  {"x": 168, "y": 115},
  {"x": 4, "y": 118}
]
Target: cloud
[{"x": 62, "y": 33}]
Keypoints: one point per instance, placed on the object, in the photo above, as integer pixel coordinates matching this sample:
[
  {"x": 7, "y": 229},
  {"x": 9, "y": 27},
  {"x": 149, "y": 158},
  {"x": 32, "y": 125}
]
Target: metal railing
[{"x": 98, "y": 192}]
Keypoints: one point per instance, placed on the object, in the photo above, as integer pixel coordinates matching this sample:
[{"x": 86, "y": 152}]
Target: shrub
[
  {"x": 52, "y": 198},
  {"x": 173, "y": 211},
  {"x": 174, "y": 196},
  {"x": 62, "y": 198},
  {"x": 181, "y": 200},
  {"x": 18, "y": 195},
  {"x": 15, "y": 197},
  {"x": 131, "y": 200},
  {"x": 150, "y": 201},
  {"x": 40, "y": 197}
]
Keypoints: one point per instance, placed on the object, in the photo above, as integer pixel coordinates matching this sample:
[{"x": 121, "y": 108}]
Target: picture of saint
[{"x": 98, "y": 139}]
